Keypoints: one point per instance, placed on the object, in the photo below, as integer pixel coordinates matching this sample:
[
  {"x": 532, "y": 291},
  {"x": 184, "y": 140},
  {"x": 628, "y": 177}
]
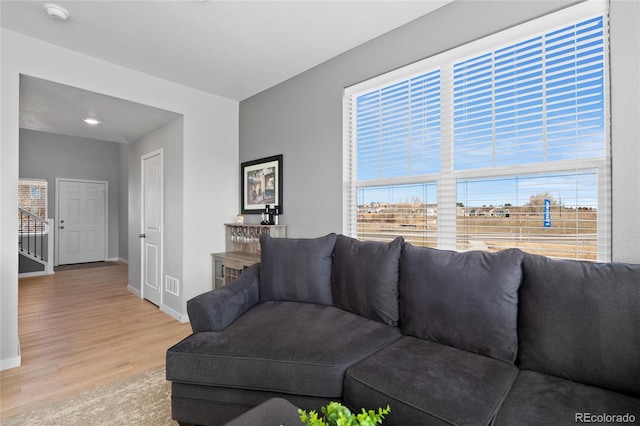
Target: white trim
[
  {"x": 183, "y": 318},
  {"x": 50, "y": 246},
  {"x": 349, "y": 167},
  {"x": 34, "y": 274},
  {"x": 134, "y": 291},
  {"x": 8, "y": 363},
  {"x": 106, "y": 214}
]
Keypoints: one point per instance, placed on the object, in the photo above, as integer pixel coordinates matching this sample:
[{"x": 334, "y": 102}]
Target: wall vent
[{"x": 172, "y": 285}]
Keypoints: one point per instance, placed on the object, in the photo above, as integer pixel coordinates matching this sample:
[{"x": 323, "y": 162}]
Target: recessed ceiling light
[
  {"x": 58, "y": 13},
  {"x": 92, "y": 121}
]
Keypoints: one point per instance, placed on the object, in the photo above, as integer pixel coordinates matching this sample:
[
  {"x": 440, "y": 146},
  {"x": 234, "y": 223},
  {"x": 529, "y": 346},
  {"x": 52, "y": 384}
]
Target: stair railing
[{"x": 31, "y": 236}]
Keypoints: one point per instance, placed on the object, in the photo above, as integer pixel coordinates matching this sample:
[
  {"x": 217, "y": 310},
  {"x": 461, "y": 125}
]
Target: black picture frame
[{"x": 261, "y": 184}]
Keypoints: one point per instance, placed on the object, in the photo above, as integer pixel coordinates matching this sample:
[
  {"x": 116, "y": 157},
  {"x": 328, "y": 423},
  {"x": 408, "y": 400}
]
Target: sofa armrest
[{"x": 216, "y": 309}]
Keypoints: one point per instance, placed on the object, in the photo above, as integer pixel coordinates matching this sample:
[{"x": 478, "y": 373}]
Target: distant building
[{"x": 500, "y": 212}]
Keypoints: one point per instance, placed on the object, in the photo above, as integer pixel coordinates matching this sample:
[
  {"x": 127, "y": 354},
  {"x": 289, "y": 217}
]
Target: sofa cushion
[
  {"x": 465, "y": 300},
  {"x": 540, "y": 399},
  {"x": 581, "y": 321},
  {"x": 365, "y": 278},
  {"x": 296, "y": 269},
  {"x": 429, "y": 383},
  {"x": 214, "y": 405},
  {"x": 285, "y": 347}
]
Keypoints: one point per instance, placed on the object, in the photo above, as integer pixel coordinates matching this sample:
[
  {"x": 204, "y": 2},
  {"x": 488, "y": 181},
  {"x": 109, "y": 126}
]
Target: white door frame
[
  {"x": 106, "y": 214},
  {"x": 142, "y": 256}
]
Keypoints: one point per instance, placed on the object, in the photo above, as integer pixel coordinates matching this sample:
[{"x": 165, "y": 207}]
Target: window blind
[
  {"x": 459, "y": 150},
  {"x": 538, "y": 100},
  {"x": 398, "y": 129}
]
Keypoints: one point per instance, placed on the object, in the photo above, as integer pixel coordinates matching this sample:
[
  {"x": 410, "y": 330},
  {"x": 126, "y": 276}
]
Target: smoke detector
[{"x": 58, "y": 13}]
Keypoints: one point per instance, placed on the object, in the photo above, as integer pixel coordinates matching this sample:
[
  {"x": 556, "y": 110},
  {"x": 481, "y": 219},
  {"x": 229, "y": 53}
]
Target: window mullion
[{"x": 446, "y": 180}]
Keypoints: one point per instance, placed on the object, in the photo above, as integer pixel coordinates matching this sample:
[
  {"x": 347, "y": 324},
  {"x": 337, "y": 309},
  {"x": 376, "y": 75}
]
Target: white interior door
[
  {"x": 151, "y": 236},
  {"x": 82, "y": 221}
]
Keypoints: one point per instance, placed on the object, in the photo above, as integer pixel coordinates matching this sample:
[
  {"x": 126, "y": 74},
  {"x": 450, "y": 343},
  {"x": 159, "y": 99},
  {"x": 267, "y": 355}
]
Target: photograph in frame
[{"x": 261, "y": 184}]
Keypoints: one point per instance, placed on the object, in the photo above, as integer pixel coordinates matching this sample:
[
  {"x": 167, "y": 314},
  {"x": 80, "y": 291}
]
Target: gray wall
[
  {"x": 169, "y": 138},
  {"x": 302, "y": 117},
  {"x": 49, "y": 156}
]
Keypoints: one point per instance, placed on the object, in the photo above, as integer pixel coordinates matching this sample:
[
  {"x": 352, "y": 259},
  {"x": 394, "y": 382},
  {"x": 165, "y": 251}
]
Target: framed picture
[{"x": 261, "y": 184}]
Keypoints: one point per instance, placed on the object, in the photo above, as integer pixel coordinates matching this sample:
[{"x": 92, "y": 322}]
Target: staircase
[{"x": 35, "y": 244}]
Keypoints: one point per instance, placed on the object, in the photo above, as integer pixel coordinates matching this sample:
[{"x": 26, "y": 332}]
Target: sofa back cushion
[
  {"x": 465, "y": 300},
  {"x": 297, "y": 270},
  {"x": 581, "y": 321},
  {"x": 365, "y": 278}
]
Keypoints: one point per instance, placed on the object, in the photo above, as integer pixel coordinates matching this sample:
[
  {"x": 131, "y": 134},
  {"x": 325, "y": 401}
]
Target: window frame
[{"x": 446, "y": 180}]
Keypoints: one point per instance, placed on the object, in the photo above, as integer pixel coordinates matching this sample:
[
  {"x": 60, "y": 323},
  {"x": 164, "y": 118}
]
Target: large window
[{"x": 499, "y": 143}]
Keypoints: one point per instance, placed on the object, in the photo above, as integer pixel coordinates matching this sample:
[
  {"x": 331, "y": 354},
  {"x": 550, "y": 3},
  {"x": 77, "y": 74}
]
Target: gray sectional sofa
[{"x": 444, "y": 338}]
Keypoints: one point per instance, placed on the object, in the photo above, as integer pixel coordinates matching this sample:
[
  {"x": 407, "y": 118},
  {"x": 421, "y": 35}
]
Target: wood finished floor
[{"x": 81, "y": 329}]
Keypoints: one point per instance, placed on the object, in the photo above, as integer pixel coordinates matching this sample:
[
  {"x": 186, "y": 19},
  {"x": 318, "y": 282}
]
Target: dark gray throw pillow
[
  {"x": 365, "y": 278},
  {"x": 465, "y": 300},
  {"x": 297, "y": 270}
]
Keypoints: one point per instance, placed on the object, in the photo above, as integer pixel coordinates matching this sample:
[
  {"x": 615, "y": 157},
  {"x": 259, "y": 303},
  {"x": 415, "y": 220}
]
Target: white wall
[{"x": 210, "y": 159}]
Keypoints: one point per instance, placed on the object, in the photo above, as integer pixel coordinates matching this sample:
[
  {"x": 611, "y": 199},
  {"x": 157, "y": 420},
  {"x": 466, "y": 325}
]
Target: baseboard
[
  {"x": 134, "y": 291},
  {"x": 183, "y": 318},
  {"x": 118, "y": 259},
  {"x": 14, "y": 362},
  {"x": 34, "y": 274}
]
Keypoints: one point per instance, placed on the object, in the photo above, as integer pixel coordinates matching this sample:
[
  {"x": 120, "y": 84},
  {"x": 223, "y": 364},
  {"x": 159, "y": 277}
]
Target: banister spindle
[{"x": 21, "y": 231}]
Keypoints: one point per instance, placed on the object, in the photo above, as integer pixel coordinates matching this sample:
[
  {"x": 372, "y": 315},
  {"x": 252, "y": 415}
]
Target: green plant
[{"x": 336, "y": 414}]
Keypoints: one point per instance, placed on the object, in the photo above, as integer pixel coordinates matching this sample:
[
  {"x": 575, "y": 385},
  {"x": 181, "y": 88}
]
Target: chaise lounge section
[{"x": 443, "y": 337}]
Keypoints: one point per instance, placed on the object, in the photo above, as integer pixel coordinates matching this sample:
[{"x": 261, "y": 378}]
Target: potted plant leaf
[{"x": 336, "y": 414}]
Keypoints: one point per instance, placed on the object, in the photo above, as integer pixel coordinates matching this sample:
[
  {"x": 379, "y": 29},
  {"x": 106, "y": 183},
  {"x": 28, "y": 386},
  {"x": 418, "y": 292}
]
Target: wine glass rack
[{"x": 242, "y": 245}]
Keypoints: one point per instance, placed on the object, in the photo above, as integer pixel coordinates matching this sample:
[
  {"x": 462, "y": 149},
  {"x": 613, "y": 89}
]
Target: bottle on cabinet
[
  {"x": 266, "y": 216},
  {"x": 270, "y": 216}
]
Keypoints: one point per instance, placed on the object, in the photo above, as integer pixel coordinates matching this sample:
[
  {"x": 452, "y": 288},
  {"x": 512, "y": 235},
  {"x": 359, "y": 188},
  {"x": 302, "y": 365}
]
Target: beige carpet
[{"x": 138, "y": 400}]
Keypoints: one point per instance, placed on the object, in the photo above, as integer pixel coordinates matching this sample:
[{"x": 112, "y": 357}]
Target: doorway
[
  {"x": 152, "y": 226},
  {"x": 81, "y": 221}
]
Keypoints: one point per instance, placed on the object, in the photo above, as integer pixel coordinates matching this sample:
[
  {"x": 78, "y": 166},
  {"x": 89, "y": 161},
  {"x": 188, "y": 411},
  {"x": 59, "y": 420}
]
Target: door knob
[
  {"x": 62, "y": 227},
  {"x": 142, "y": 236}
]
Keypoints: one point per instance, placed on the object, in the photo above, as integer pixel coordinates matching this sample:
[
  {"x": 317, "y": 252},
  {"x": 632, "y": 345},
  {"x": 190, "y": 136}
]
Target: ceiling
[
  {"x": 56, "y": 108},
  {"x": 233, "y": 49}
]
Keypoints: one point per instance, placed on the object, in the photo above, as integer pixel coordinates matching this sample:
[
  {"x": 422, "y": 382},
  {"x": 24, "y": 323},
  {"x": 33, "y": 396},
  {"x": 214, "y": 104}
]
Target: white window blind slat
[{"x": 538, "y": 103}]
